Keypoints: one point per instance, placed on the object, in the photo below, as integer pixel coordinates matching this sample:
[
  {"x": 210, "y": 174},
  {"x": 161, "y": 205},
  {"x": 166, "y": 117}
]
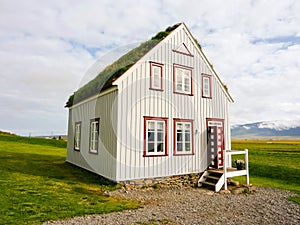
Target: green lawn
[
  {"x": 37, "y": 185},
  {"x": 273, "y": 164}
]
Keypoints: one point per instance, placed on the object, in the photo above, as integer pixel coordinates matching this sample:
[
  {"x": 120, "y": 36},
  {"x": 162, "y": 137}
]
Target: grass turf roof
[{"x": 106, "y": 77}]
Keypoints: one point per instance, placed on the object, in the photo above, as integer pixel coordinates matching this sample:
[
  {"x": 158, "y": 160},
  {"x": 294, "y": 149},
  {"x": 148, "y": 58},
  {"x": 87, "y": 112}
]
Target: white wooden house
[{"x": 161, "y": 111}]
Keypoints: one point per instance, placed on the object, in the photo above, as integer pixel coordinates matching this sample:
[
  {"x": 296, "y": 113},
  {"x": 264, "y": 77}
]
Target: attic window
[
  {"x": 182, "y": 80},
  {"x": 182, "y": 49},
  {"x": 206, "y": 86},
  {"x": 156, "y": 74}
]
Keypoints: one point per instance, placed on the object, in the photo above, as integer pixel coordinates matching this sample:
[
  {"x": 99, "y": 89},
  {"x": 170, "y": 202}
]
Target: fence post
[
  {"x": 247, "y": 166},
  {"x": 224, "y": 169}
]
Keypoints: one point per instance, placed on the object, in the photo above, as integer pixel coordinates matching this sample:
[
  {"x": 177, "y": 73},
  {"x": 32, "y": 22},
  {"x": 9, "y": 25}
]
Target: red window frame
[
  {"x": 155, "y": 154},
  {"x": 210, "y": 86},
  {"x": 176, "y": 153},
  {"x": 152, "y": 65},
  {"x": 175, "y": 66}
]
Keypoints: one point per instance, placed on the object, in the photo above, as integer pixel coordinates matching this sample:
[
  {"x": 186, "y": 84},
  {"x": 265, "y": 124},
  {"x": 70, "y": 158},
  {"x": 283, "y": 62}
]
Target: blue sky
[{"x": 47, "y": 48}]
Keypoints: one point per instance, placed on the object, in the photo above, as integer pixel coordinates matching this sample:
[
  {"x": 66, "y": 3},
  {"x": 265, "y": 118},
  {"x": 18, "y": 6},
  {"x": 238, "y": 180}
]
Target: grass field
[
  {"x": 37, "y": 185},
  {"x": 273, "y": 164}
]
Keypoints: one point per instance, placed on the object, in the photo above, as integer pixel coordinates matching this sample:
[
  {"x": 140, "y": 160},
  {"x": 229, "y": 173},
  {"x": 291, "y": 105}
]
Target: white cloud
[{"x": 47, "y": 47}]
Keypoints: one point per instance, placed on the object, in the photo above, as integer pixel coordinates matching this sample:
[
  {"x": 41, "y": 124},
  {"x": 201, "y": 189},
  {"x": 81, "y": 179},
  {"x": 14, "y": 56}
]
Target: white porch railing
[{"x": 229, "y": 172}]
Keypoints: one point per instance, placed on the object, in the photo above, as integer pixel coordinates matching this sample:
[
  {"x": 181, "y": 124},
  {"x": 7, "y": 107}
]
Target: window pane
[
  {"x": 150, "y": 147},
  {"x": 179, "y": 136},
  {"x": 179, "y": 147},
  {"x": 187, "y": 137},
  {"x": 179, "y": 87},
  {"x": 95, "y": 144},
  {"x": 187, "y": 84},
  {"x": 179, "y": 72},
  {"x": 179, "y": 126},
  {"x": 160, "y": 126},
  {"x": 160, "y": 136},
  {"x": 187, "y": 88},
  {"x": 179, "y": 81},
  {"x": 156, "y": 71},
  {"x": 156, "y": 82},
  {"x": 160, "y": 147},
  {"x": 187, "y": 126},
  {"x": 187, "y": 147},
  {"x": 151, "y": 125},
  {"x": 151, "y": 136}
]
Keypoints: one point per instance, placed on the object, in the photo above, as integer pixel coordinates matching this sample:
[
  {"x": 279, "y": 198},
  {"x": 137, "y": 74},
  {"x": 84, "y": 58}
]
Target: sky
[{"x": 48, "y": 47}]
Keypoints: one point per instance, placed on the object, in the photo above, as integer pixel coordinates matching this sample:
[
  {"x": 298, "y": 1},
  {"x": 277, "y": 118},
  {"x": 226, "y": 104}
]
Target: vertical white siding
[{"x": 136, "y": 100}]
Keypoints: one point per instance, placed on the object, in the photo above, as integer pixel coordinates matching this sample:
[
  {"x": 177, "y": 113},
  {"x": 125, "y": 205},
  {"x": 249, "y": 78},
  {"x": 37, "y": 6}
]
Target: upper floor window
[
  {"x": 206, "y": 86},
  {"x": 94, "y": 135},
  {"x": 155, "y": 136},
  {"x": 156, "y": 75},
  {"x": 77, "y": 136},
  {"x": 183, "y": 137},
  {"x": 183, "y": 80}
]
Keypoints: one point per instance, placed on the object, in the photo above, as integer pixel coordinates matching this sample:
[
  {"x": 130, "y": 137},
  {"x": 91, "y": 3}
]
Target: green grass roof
[{"x": 106, "y": 77}]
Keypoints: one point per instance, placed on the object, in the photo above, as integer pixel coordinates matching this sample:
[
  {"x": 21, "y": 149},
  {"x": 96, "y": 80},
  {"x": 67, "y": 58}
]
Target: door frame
[{"x": 210, "y": 122}]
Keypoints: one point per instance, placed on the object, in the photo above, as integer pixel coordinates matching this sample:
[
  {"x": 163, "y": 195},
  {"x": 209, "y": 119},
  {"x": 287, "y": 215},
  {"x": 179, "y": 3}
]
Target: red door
[{"x": 215, "y": 142}]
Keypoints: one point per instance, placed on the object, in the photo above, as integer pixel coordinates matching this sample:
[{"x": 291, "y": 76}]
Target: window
[
  {"x": 156, "y": 82},
  {"x": 77, "y": 136},
  {"x": 206, "y": 86},
  {"x": 94, "y": 135},
  {"x": 183, "y": 137},
  {"x": 182, "y": 80},
  {"x": 155, "y": 136}
]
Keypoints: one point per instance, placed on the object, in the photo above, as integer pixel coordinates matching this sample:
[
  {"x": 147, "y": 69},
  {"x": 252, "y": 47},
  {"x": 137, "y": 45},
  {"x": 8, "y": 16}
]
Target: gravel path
[{"x": 198, "y": 206}]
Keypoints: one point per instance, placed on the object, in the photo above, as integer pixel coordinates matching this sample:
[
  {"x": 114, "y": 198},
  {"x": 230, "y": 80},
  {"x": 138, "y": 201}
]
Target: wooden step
[
  {"x": 215, "y": 171},
  {"x": 212, "y": 177},
  {"x": 208, "y": 183}
]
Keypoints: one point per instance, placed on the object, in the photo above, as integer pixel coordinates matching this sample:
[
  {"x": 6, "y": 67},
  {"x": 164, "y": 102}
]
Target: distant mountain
[{"x": 266, "y": 129}]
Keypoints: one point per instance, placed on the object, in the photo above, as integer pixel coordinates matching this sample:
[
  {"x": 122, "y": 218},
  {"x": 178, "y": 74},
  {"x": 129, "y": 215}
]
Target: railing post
[
  {"x": 247, "y": 166},
  {"x": 224, "y": 169}
]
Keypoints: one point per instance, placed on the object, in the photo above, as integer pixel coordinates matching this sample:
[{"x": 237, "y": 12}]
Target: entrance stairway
[
  {"x": 215, "y": 178},
  {"x": 212, "y": 179}
]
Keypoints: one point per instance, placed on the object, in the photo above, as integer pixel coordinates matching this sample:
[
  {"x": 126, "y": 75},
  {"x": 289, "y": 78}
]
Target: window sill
[
  {"x": 184, "y": 154},
  {"x": 158, "y": 155}
]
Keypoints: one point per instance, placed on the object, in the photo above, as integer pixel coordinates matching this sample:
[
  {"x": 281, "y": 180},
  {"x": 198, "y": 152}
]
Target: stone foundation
[{"x": 188, "y": 180}]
